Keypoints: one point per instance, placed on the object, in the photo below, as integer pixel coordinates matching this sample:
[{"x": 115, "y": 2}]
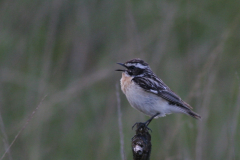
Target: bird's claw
[{"x": 141, "y": 126}]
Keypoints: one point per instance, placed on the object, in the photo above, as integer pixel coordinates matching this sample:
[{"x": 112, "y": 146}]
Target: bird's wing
[{"x": 156, "y": 86}]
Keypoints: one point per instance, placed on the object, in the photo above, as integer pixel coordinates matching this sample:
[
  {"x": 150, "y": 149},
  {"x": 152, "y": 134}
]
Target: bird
[{"x": 148, "y": 93}]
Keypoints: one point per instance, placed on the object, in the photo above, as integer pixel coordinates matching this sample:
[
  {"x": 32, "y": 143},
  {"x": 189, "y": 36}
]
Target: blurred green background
[{"x": 68, "y": 51}]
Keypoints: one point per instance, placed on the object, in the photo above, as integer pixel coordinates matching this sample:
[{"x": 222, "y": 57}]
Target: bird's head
[{"x": 135, "y": 68}]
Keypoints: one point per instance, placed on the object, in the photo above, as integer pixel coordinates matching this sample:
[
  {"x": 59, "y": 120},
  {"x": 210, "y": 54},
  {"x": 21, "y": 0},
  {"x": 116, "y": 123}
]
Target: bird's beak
[{"x": 121, "y": 69}]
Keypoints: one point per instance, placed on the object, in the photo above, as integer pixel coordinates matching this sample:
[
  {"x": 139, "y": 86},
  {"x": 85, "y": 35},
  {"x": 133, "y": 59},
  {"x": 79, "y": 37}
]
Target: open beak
[{"x": 121, "y": 69}]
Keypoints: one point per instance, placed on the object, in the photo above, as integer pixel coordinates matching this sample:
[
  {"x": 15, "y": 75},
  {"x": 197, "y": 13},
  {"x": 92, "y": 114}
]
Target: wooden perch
[{"x": 141, "y": 143}]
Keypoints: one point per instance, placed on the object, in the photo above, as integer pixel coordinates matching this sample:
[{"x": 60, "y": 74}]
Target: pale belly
[{"x": 146, "y": 102}]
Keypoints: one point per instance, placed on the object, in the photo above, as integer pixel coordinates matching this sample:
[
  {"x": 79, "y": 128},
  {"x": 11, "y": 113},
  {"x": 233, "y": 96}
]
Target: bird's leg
[
  {"x": 141, "y": 125},
  {"x": 149, "y": 121}
]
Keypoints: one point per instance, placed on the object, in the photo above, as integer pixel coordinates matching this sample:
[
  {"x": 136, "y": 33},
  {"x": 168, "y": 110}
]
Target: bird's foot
[{"x": 141, "y": 126}]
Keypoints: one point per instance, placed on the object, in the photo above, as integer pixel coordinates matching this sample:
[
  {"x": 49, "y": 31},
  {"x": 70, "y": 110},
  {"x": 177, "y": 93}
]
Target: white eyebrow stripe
[{"x": 138, "y": 65}]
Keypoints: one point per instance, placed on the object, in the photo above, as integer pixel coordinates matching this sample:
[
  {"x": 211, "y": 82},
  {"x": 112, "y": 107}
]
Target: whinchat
[{"x": 148, "y": 93}]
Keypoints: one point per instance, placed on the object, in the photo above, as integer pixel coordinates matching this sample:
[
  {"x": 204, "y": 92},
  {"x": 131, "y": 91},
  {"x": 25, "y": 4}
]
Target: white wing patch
[{"x": 153, "y": 91}]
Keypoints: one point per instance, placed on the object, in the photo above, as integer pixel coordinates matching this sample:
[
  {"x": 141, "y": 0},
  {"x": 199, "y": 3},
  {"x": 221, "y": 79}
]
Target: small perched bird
[{"x": 148, "y": 94}]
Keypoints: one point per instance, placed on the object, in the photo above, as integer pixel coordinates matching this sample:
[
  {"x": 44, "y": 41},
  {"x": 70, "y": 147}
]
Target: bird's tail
[
  {"x": 187, "y": 111},
  {"x": 193, "y": 114}
]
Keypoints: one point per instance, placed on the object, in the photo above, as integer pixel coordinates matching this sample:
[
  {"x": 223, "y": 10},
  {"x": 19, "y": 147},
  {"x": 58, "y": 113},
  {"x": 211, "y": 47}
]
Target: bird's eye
[{"x": 131, "y": 67}]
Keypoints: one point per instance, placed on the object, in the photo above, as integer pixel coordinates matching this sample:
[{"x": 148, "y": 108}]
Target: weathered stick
[{"x": 141, "y": 143}]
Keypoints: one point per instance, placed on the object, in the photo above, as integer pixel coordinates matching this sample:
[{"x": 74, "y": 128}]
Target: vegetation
[{"x": 67, "y": 51}]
